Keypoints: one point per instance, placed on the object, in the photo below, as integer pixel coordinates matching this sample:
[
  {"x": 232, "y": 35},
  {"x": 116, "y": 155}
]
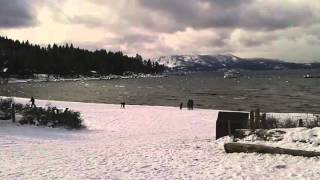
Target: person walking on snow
[{"x": 32, "y": 102}]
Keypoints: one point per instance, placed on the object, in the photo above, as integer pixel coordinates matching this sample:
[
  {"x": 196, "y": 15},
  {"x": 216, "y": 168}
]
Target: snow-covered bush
[
  {"x": 19, "y": 107},
  {"x": 314, "y": 123},
  {"x": 52, "y": 117},
  {"x": 272, "y": 123},
  {"x": 69, "y": 119},
  {"x": 5, "y": 106},
  {"x": 293, "y": 122},
  {"x": 260, "y": 134},
  {"x": 288, "y": 123}
]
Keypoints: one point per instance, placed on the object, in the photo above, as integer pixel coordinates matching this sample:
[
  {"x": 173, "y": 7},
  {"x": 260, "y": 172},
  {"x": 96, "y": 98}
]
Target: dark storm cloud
[
  {"x": 16, "y": 13},
  {"x": 246, "y": 14}
]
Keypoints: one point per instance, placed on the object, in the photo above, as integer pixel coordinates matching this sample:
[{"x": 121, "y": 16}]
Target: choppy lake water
[{"x": 276, "y": 91}]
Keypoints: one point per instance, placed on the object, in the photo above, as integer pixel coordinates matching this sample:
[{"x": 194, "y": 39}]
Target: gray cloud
[
  {"x": 255, "y": 42},
  {"x": 16, "y": 13},
  {"x": 136, "y": 38},
  {"x": 246, "y": 14}
]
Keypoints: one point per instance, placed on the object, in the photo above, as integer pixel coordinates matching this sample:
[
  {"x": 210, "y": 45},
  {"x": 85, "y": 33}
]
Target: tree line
[{"x": 24, "y": 58}]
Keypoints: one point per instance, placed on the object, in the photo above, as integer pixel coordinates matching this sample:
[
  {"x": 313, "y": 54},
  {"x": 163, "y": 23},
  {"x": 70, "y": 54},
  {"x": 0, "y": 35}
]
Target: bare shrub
[
  {"x": 272, "y": 123},
  {"x": 288, "y": 123}
]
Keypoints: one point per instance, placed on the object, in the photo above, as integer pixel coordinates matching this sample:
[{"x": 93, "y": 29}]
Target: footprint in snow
[
  {"x": 281, "y": 166},
  {"x": 146, "y": 166}
]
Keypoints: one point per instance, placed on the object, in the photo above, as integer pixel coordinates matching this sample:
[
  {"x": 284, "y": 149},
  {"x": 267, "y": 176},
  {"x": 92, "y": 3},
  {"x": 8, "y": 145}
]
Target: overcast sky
[{"x": 283, "y": 29}]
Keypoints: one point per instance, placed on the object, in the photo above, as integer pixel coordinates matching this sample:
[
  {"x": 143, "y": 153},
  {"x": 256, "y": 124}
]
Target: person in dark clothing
[
  {"x": 181, "y": 105},
  {"x": 32, "y": 100},
  {"x": 190, "y": 104},
  {"x": 123, "y": 104}
]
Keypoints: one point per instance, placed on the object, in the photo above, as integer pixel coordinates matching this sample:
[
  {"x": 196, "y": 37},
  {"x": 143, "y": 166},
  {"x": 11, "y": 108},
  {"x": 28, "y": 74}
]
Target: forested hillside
[{"x": 23, "y": 58}]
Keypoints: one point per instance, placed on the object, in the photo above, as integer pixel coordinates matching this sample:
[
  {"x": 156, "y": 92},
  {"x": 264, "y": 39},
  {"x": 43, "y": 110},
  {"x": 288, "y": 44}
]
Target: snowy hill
[{"x": 225, "y": 61}]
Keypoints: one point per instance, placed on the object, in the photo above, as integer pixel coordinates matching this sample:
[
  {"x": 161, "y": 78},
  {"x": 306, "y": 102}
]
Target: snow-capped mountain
[
  {"x": 228, "y": 61},
  {"x": 196, "y": 60}
]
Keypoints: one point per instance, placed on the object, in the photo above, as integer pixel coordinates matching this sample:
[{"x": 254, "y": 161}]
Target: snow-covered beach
[{"x": 139, "y": 142}]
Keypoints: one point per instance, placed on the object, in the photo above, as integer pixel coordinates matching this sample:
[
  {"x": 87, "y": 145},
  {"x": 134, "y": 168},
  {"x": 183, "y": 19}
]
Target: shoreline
[
  {"x": 24, "y": 99},
  {"x": 280, "y": 115},
  {"x": 45, "y": 78}
]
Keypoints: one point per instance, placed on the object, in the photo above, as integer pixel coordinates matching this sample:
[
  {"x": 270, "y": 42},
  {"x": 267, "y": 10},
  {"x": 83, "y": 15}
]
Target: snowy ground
[{"x": 139, "y": 142}]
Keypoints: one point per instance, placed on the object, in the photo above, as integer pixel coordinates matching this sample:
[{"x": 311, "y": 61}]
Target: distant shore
[{"x": 53, "y": 78}]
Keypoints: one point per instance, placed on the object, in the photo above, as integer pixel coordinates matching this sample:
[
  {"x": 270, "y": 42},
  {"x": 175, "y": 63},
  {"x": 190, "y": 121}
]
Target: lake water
[{"x": 276, "y": 91}]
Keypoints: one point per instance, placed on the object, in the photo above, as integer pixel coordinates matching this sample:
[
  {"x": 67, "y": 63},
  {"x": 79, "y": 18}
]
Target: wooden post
[
  {"x": 300, "y": 123},
  {"x": 229, "y": 131},
  {"x": 257, "y": 118},
  {"x": 13, "y": 113},
  {"x": 264, "y": 121},
  {"x": 229, "y": 128},
  {"x": 252, "y": 126}
]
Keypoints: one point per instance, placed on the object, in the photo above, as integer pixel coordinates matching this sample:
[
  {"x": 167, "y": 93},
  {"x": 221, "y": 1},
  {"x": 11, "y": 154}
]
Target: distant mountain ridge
[{"x": 227, "y": 61}]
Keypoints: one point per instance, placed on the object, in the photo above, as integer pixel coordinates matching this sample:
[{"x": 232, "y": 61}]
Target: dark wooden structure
[
  {"x": 234, "y": 120},
  {"x": 13, "y": 112},
  {"x": 4, "y": 77}
]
